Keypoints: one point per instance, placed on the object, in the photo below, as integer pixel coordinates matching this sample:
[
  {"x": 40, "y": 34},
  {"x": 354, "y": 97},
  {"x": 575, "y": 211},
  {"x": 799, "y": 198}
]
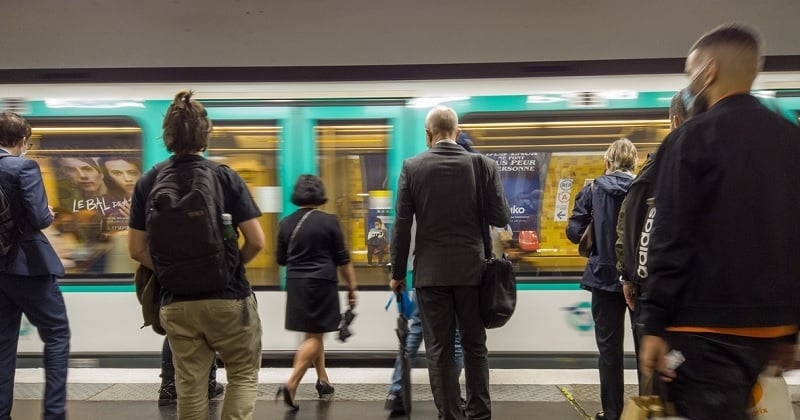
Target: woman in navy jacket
[{"x": 602, "y": 200}]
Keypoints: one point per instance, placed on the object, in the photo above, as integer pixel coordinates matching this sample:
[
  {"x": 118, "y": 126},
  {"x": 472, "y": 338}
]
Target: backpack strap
[{"x": 296, "y": 228}]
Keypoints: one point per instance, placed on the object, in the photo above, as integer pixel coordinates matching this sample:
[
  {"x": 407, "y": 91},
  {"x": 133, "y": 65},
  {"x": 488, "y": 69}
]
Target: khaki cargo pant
[{"x": 196, "y": 330}]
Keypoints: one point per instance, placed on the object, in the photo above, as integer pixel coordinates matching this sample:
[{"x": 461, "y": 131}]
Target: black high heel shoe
[
  {"x": 324, "y": 389},
  {"x": 287, "y": 398}
]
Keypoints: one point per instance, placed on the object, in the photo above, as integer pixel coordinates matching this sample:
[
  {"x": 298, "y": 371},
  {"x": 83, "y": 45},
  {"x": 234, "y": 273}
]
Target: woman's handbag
[{"x": 499, "y": 283}]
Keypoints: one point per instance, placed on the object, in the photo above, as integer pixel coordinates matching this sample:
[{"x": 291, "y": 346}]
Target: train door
[
  {"x": 352, "y": 158},
  {"x": 250, "y": 148}
]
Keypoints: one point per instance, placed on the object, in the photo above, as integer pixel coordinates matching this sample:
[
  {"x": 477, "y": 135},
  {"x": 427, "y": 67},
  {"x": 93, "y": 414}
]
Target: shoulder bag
[
  {"x": 498, "y": 283},
  {"x": 586, "y": 244}
]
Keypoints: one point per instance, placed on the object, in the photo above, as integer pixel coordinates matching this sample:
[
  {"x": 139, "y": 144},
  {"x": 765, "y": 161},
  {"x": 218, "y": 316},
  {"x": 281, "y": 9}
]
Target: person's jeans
[
  {"x": 413, "y": 342},
  {"x": 40, "y": 299},
  {"x": 196, "y": 329}
]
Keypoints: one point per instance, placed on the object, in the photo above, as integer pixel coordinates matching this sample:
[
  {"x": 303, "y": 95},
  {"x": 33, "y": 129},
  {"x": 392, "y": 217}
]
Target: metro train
[{"x": 547, "y": 135}]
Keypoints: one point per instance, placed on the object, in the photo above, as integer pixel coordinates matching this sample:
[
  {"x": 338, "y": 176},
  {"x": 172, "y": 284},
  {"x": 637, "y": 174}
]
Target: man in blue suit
[{"x": 28, "y": 274}]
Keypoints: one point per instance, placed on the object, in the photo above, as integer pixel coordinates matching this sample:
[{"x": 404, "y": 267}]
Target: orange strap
[{"x": 755, "y": 332}]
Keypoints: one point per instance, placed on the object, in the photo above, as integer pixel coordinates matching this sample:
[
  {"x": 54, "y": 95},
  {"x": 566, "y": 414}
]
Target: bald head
[
  {"x": 441, "y": 123},
  {"x": 729, "y": 55}
]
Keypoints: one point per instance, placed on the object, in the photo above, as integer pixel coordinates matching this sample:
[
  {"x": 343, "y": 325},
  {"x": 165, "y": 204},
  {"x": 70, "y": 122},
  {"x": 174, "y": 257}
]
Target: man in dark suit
[
  {"x": 28, "y": 274},
  {"x": 439, "y": 189}
]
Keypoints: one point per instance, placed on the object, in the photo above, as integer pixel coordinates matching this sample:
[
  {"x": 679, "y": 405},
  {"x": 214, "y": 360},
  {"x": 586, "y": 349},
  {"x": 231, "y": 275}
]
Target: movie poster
[
  {"x": 92, "y": 204},
  {"x": 521, "y": 175}
]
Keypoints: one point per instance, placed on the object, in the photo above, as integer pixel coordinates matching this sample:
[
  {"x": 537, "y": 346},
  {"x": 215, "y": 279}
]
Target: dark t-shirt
[
  {"x": 318, "y": 247},
  {"x": 238, "y": 202}
]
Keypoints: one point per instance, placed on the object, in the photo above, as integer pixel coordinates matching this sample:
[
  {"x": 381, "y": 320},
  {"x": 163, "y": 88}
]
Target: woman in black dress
[{"x": 311, "y": 246}]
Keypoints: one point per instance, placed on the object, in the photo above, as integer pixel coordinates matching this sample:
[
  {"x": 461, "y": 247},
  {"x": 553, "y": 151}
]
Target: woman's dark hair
[
  {"x": 186, "y": 125},
  {"x": 309, "y": 191},
  {"x": 13, "y": 129},
  {"x": 378, "y": 219}
]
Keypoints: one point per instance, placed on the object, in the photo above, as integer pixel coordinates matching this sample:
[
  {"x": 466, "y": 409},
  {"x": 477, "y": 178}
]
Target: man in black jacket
[{"x": 722, "y": 291}]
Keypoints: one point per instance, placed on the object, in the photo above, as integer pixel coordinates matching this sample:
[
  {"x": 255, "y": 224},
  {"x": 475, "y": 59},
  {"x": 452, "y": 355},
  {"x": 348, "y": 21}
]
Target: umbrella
[{"x": 402, "y": 336}]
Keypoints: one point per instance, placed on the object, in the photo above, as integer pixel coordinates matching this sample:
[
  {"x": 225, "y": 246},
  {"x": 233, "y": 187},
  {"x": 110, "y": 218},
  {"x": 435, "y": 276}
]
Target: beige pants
[{"x": 196, "y": 330}]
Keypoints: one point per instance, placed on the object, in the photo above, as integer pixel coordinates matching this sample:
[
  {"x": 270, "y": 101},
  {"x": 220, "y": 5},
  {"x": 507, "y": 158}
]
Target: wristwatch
[{"x": 622, "y": 280}]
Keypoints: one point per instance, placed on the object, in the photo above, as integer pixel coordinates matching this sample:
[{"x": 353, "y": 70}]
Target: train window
[
  {"x": 250, "y": 148},
  {"x": 544, "y": 161},
  {"x": 89, "y": 167},
  {"x": 352, "y": 161}
]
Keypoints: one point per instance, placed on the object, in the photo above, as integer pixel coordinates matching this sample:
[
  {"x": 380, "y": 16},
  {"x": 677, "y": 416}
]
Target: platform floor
[{"x": 116, "y": 394}]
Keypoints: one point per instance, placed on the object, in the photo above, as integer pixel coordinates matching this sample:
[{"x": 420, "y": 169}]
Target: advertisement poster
[
  {"x": 521, "y": 175},
  {"x": 92, "y": 204}
]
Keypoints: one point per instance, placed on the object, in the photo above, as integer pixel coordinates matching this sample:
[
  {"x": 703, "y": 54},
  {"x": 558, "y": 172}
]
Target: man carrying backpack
[
  {"x": 28, "y": 270},
  {"x": 185, "y": 215}
]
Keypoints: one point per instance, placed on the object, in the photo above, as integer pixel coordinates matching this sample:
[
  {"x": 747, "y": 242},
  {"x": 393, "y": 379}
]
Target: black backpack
[
  {"x": 184, "y": 229},
  {"x": 9, "y": 228}
]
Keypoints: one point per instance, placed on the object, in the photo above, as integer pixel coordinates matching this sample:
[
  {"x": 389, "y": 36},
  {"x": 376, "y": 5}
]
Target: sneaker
[
  {"x": 215, "y": 389},
  {"x": 167, "y": 395},
  {"x": 394, "y": 403}
]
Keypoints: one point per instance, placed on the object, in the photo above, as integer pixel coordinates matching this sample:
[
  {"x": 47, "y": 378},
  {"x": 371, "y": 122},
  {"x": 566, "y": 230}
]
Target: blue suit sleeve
[{"x": 34, "y": 196}]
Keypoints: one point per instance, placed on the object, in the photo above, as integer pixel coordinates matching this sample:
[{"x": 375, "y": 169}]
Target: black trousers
[
  {"x": 608, "y": 312},
  {"x": 717, "y": 377},
  {"x": 439, "y": 309}
]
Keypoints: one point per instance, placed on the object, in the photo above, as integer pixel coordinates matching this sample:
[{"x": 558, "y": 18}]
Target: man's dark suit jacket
[
  {"x": 438, "y": 186},
  {"x": 21, "y": 180}
]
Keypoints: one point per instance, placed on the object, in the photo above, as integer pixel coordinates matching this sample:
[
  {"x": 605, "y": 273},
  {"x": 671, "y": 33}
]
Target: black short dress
[{"x": 312, "y": 297}]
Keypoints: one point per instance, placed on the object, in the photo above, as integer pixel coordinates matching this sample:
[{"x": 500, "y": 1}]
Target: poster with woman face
[{"x": 93, "y": 204}]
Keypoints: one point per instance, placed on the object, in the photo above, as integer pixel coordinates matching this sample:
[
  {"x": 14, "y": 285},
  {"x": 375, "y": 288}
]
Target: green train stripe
[{"x": 129, "y": 288}]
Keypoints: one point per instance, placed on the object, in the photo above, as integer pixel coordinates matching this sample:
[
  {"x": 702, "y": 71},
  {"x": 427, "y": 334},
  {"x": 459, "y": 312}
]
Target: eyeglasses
[{"x": 28, "y": 144}]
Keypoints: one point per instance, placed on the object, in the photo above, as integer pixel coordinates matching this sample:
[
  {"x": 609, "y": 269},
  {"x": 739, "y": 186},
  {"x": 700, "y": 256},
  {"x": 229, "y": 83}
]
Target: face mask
[{"x": 695, "y": 104}]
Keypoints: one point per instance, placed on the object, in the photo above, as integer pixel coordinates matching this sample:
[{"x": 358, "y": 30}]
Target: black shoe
[
  {"x": 287, "y": 399},
  {"x": 600, "y": 416},
  {"x": 167, "y": 395},
  {"x": 215, "y": 389},
  {"x": 394, "y": 403},
  {"x": 324, "y": 389}
]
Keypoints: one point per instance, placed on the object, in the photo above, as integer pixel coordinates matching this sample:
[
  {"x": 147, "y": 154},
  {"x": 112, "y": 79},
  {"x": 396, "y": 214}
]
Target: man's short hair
[
  {"x": 733, "y": 34},
  {"x": 677, "y": 107},
  {"x": 13, "y": 128},
  {"x": 442, "y": 120},
  {"x": 309, "y": 191}
]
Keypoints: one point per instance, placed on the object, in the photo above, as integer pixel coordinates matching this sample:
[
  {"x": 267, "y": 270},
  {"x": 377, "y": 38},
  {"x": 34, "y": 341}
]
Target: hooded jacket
[{"x": 601, "y": 201}]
